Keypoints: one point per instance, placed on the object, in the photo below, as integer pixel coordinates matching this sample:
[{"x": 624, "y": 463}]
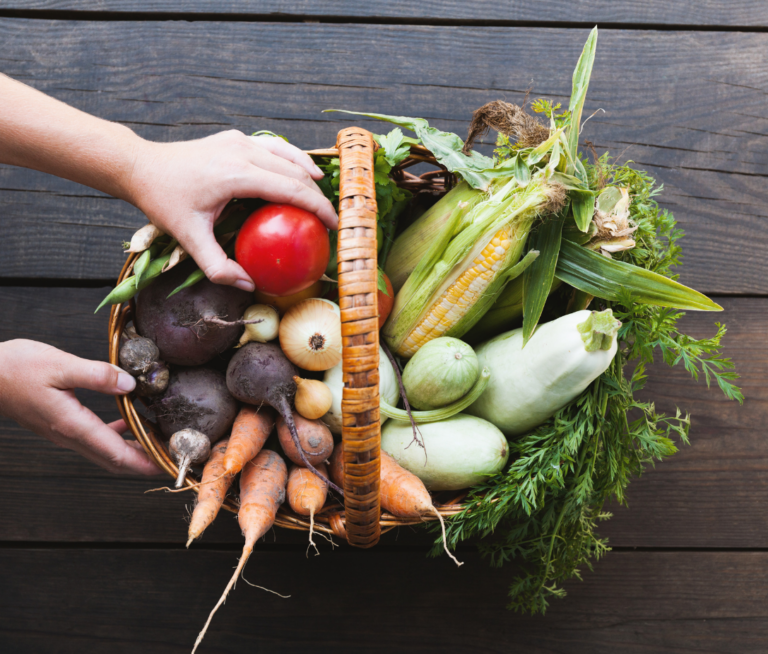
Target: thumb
[
  {"x": 213, "y": 261},
  {"x": 100, "y": 376}
]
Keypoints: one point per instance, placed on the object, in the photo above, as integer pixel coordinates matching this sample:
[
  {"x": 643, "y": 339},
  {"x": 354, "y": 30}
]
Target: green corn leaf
[
  {"x": 579, "y": 93},
  {"x": 609, "y": 279},
  {"x": 446, "y": 147},
  {"x": 538, "y": 278},
  {"x": 583, "y": 205}
]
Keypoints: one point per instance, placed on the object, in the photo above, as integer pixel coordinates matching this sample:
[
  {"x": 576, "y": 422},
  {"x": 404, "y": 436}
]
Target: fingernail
[
  {"x": 317, "y": 170},
  {"x": 125, "y": 382},
  {"x": 245, "y": 285}
]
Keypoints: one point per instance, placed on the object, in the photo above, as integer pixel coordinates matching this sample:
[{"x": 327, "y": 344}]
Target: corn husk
[{"x": 459, "y": 241}]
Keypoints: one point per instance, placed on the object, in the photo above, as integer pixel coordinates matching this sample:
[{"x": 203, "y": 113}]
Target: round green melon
[{"x": 442, "y": 371}]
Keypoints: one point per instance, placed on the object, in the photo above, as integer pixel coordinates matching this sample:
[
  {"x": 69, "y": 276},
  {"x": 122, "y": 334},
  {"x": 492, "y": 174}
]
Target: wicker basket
[{"x": 360, "y": 519}]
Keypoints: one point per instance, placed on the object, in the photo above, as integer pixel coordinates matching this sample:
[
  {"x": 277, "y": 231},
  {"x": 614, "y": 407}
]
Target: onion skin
[
  {"x": 313, "y": 398},
  {"x": 310, "y": 334}
]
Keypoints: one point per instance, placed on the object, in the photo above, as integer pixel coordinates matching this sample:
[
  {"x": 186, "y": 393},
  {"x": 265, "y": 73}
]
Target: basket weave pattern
[
  {"x": 360, "y": 520},
  {"x": 358, "y": 300}
]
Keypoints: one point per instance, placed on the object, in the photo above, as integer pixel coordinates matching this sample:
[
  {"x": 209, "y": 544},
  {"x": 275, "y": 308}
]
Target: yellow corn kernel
[{"x": 453, "y": 305}]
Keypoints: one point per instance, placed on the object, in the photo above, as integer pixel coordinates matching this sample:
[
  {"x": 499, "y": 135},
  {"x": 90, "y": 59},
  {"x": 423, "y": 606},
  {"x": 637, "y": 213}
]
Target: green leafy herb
[
  {"x": 445, "y": 146},
  {"x": 390, "y": 198}
]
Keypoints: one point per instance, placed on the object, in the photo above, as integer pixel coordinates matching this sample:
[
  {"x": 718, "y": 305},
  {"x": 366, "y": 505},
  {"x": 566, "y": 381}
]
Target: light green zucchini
[
  {"x": 530, "y": 384},
  {"x": 458, "y": 452}
]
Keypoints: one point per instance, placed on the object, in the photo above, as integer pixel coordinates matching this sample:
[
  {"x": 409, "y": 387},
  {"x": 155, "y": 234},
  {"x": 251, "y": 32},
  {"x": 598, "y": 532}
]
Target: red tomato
[
  {"x": 283, "y": 248},
  {"x": 385, "y": 301}
]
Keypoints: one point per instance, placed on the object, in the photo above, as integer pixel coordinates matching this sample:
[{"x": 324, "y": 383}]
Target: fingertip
[
  {"x": 329, "y": 219},
  {"x": 245, "y": 285},
  {"x": 120, "y": 426},
  {"x": 140, "y": 463}
]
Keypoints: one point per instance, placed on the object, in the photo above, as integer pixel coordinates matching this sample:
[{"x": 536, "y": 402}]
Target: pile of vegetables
[{"x": 520, "y": 287}]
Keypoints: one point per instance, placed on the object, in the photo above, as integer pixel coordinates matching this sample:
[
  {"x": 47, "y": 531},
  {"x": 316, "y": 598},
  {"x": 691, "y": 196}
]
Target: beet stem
[
  {"x": 223, "y": 323},
  {"x": 285, "y": 411},
  {"x": 406, "y": 404}
]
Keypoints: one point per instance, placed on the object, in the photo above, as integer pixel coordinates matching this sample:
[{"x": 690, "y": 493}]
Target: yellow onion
[
  {"x": 261, "y": 332},
  {"x": 310, "y": 334},
  {"x": 313, "y": 398}
]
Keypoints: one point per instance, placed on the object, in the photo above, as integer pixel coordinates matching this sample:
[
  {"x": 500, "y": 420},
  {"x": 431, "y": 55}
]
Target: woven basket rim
[{"x": 330, "y": 520}]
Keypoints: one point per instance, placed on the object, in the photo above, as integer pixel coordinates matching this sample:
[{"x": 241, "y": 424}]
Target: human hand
[
  {"x": 182, "y": 188},
  {"x": 36, "y": 390}
]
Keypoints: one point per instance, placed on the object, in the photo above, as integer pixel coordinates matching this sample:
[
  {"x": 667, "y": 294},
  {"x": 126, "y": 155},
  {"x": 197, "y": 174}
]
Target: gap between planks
[{"x": 122, "y": 16}]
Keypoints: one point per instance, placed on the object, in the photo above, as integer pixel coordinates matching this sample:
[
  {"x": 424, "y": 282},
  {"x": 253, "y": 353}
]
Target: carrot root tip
[
  {"x": 311, "y": 531},
  {"x": 241, "y": 564},
  {"x": 445, "y": 539}
]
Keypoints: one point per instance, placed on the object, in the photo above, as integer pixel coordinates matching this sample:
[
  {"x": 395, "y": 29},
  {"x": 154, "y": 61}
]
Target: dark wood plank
[
  {"x": 711, "y": 494},
  {"x": 156, "y": 601},
  {"x": 699, "y": 122},
  {"x": 653, "y": 12}
]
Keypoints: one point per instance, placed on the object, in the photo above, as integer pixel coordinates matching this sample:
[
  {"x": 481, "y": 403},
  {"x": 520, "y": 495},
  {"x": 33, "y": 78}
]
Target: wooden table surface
[{"x": 89, "y": 563}]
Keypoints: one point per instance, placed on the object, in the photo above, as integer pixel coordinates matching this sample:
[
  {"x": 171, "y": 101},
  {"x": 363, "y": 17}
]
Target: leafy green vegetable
[{"x": 445, "y": 146}]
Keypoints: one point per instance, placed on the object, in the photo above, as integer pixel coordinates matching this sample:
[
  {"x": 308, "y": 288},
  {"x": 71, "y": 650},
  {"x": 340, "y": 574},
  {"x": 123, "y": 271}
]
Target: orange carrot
[
  {"x": 262, "y": 491},
  {"x": 403, "y": 494},
  {"x": 336, "y": 463},
  {"x": 314, "y": 438},
  {"x": 307, "y": 493},
  {"x": 249, "y": 433},
  {"x": 211, "y": 495}
]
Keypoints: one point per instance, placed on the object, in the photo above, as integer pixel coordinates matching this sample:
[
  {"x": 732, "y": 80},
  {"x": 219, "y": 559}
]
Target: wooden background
[{"x": 88, "y": 563}]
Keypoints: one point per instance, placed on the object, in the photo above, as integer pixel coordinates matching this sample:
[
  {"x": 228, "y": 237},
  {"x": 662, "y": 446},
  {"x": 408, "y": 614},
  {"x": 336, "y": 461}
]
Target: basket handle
[{"x": 358, "y": 300}]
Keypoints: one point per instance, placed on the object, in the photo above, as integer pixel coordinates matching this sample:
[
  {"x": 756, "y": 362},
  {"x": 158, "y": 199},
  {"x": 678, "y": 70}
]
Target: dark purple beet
[
  {"x": 197, "y": 398},
  {"x": 178, "y": 324},
  {"x": 259, "y": 373}
]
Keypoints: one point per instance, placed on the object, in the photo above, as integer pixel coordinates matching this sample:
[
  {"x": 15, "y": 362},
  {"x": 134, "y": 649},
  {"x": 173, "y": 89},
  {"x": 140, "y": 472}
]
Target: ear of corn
[
  {"x": 467, "y": 265},
  {"x": 409, "y": 248}
]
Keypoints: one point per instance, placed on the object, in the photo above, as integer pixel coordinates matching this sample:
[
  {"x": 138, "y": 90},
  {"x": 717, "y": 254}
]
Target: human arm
[{"x": 182, "y": 187}]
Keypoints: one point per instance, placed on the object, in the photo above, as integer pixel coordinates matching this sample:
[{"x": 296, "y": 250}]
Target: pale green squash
[
  {"x": 530, "y": 384},
  {"x": 441, "y": 372},
  {"x": 458, "y": 452}
]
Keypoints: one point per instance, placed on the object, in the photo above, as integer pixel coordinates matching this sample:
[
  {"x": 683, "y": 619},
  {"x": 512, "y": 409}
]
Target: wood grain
[
  {"x": 689, "y": 106},
  {"x": 82, "y": 601},
  {"x": 711, "y": 494},
  {"x": 652, "y": 12}
]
